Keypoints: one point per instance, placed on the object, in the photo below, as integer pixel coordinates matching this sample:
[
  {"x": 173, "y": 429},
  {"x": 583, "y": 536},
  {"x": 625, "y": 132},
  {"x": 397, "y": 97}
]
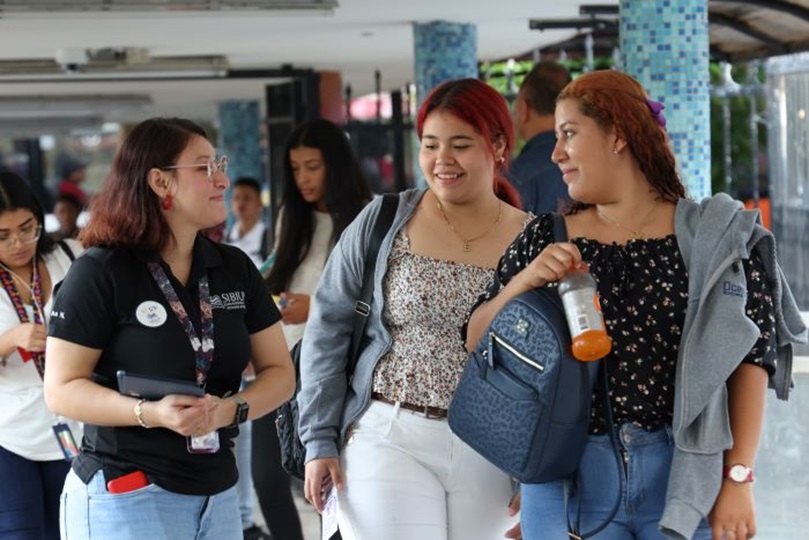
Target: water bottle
[{"x": 583, "y": 312}]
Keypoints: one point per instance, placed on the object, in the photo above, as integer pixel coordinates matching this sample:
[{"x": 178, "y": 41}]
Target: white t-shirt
[
  {"x": 250, "y": 243},
  {"x": 25, "y": 421},
  {"x": 307, "y": 275}
]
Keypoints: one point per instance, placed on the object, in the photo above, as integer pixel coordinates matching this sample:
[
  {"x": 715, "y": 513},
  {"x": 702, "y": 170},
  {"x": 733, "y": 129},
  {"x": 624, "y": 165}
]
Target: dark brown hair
[
  {"x": 482, "y": 107},
  {"x": 16, "y": 194},
  {"x": 617, "y": 101},
  {"x": 126, "y": 212},
  {"x": 542, "y": 84}
]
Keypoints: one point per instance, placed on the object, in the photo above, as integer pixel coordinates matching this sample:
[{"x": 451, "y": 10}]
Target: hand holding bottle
[{"x": 583, "y": 311}]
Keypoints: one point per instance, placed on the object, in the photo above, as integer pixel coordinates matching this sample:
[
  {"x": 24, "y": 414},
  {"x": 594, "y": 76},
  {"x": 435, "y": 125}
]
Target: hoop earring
[{"x": 165, "y": 204}]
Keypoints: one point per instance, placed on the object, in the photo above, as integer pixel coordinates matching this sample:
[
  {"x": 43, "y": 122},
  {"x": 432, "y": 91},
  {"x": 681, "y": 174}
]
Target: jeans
[
  {"x": 29, "y": 497},
  {"x": 244, "y": 487},
  {"x": 408, "y": 477},
  {"x": 90, "y": 512},
  {"x": 641, "y": 486}
]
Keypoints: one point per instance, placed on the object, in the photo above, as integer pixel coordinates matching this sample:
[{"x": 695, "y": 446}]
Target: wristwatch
[
  {"x": 739, "y": 474},
  {"x": 242, "y": 408}
]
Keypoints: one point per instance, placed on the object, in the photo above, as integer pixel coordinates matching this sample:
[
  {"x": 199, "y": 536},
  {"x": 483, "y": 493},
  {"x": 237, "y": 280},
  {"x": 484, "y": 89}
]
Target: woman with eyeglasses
[
  {"x": 153, "y": 297},
  {"x": 33, "y": 465}
]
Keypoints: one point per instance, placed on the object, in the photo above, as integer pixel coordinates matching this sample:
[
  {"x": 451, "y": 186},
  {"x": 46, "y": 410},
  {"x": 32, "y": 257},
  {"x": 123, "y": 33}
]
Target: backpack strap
[
  {"x": 559, "y": 227},
  {"x": 67, "y": 250},
  {"x": 362, "y": 308}
]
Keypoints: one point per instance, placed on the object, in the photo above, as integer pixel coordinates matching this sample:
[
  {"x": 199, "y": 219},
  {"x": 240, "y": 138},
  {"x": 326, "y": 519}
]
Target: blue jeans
[
  {"x": 644, "y": 474},
  {"x": 244, "y": 487},
  {"x": 29, "y": 497},
  {"x": 89, "y": 511}
]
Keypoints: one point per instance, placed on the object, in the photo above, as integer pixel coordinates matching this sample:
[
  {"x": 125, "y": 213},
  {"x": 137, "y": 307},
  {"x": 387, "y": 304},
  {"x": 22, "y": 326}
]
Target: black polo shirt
[{"x": 97, "y": 305}]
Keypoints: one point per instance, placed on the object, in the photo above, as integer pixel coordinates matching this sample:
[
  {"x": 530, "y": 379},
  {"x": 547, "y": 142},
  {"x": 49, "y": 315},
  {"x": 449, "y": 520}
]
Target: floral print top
[
  {"x": 426, "y": 303},
  {"x": 643, "y": 288}
]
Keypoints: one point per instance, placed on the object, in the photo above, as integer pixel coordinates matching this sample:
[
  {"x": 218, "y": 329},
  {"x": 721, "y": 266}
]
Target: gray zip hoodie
[
  {"x": 327, "y": 403},
  {"x": 713, "y": 237}
]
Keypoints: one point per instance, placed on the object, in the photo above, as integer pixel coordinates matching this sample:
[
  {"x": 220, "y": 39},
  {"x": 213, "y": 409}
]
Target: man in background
[
  {"x": 72, "y": 174},
  {"x": 249, "y": 234},
  {"x": 535, "y": 176},
  {"x": 67, "y": 209}
]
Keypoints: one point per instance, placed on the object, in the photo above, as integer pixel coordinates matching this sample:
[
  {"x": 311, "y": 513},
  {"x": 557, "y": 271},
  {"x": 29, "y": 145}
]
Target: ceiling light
[{"x": 68, "y": 107}]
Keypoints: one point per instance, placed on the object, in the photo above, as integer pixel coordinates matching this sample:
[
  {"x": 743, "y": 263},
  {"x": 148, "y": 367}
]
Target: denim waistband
[{"x": 630, "y": 435}]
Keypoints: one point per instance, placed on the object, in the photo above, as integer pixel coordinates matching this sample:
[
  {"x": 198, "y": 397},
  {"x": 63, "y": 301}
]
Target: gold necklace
[
  {"x": 467, "y": 241},
  {"x": 635, "y": 234}
]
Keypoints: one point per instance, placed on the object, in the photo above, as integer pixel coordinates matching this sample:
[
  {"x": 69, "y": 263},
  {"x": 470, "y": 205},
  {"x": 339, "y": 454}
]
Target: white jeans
[{"x": 408, "y": 477}]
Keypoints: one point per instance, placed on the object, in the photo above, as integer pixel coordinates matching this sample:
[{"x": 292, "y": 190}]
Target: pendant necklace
[
  {"x": 635, "y": 234},
  {"x": 467, "y": 241}
]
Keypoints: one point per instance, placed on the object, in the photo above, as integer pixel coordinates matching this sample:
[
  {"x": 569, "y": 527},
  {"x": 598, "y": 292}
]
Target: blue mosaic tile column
[
  {"x": 443, "y": 51},
  {"x": 664, "y": 44},
  {"x": 239, "y": 139}
]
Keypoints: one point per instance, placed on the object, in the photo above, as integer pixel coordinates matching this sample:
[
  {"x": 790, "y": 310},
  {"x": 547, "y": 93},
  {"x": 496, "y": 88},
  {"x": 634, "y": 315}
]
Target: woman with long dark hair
[
  {"x": 324, "y": 190},
  {"x": 33, "y": 462}
]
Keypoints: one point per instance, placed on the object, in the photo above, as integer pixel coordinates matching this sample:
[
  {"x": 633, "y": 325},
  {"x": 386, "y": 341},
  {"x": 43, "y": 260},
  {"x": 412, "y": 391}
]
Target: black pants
[{"x": 272, "y": 482}]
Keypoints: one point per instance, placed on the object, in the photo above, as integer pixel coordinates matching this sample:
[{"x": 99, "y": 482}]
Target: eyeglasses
[
  {"x": 211, "y": 167},
  {"x": 28, "y": 235}
]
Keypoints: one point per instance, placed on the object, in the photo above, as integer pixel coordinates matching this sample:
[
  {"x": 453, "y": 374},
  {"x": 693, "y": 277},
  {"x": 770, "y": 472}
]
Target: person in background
[
  {"x": 382, "y": 438},
  {"x": 324, "y": 190},
  {"x": 249, "y": 234},
  {"x": 67, "y": 209},
  {"x": 699, "y": 317},
  {"x": 533, "y": 173},
  {"x": 33, "y": 464},
  {"x": 152, "y": 297},
  {"x": 72, "y": 173}
]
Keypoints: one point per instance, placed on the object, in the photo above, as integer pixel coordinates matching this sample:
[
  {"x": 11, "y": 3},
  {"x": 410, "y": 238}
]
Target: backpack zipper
[{"x": 503, "y": 343}]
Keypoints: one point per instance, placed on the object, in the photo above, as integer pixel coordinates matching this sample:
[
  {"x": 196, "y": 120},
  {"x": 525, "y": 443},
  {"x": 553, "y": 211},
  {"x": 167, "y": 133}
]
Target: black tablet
[{"x": 154, "y": 387}]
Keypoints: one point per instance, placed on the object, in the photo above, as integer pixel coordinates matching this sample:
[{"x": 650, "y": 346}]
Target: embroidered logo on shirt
[
  {"x": 228, "y": 300},
  {"x": 732, "y": 289},
  {"x": 151, "y": 314}
]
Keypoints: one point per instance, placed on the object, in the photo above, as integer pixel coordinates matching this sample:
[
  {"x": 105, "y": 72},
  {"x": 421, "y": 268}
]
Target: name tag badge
[
  {"x": 151, "y": 314},
  {"x": 66, "y": 441},
  {"x": 203, "y": 444}
]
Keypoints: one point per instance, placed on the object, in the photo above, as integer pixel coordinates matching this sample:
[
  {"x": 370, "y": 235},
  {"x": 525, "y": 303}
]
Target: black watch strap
[{"x": 242, "y": 409}]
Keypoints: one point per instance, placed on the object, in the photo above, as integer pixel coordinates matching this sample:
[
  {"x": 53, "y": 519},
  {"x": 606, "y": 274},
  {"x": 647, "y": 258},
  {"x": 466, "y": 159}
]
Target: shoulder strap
[
  {"x": 362, "y": 309},
  {"x": 67, "y": 250},
  {"x": 559, "y": 227}
]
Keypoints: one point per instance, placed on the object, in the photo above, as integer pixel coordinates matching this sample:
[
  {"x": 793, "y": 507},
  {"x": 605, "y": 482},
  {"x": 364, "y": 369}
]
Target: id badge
[
  {"x": 203, "y": 444},
  {"x": 66, "y": 441}
]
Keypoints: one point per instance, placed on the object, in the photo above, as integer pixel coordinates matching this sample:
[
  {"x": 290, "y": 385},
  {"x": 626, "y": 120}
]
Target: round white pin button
[{"x": 151, "y": 314}]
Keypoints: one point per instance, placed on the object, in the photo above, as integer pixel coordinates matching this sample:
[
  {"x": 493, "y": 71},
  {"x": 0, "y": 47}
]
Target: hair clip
[{"x": 657, "y": 111}]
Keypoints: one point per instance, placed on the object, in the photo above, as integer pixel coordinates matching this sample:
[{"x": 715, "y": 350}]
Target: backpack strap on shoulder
[
  {"x": 559, "y": 227},
  {"x": 67, "y": 250}
]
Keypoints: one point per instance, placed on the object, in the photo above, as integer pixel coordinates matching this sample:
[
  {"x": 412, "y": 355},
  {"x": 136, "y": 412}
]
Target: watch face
[{"x": 739, "y": 473}]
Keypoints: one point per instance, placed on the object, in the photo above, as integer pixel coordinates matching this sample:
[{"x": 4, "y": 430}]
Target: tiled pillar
[
  {"x": 443, "y": 51},
  {"x": 664, "y": 44},
  {"x": 239, "y": 139}
]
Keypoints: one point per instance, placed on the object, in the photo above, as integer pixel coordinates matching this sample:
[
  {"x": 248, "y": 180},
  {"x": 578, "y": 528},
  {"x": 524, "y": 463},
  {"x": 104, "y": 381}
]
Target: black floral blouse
[{"x": 644, "y": 293}]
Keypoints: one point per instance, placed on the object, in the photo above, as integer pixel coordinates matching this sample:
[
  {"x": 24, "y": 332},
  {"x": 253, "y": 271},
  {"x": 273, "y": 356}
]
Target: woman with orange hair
[
  {"x": 384, "y": 436},
  {"x": 692, "y": 299}
]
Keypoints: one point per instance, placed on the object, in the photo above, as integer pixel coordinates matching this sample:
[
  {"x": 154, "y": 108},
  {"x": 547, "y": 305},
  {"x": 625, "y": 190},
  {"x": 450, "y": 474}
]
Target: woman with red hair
[
  {"x": 692, "y": 299},
  {"x": 383, "y": 438}
]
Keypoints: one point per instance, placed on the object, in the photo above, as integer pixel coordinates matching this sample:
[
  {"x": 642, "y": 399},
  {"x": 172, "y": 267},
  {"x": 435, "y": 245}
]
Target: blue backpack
[{"x": 524, "y": 401}]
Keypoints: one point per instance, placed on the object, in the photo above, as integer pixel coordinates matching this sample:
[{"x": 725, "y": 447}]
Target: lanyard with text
[
  {"x": 19, "y": 305},
  {"x": 202, "y": 344}
]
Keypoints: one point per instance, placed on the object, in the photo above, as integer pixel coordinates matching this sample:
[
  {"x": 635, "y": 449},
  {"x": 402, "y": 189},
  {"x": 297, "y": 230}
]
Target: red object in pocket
[
  {"x": 26, "y": 356},
  {"x": 128, "y": 482}
]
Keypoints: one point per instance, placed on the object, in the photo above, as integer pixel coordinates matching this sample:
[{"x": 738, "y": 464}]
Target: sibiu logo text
[{"x": 228, "y": 300}]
